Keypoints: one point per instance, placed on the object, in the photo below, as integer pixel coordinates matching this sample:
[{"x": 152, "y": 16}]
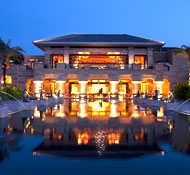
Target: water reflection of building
[
  {"x": 181, "y": 134},
  {"x": 95, "y": 126},
  {"x": 81, "y": 124},
  {"x": 122, "y": 141},
  {"x": 97, "y": 109}
]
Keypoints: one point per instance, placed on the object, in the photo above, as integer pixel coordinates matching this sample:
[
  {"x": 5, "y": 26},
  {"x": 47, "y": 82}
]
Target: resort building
[{"x": 100, "y": 65}]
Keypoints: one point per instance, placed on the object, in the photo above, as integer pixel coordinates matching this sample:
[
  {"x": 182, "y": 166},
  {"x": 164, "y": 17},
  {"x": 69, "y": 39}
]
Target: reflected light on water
[
  {"x": 100, "y": 140},
  {"x": 83, "y": 138},
  {"x": 113, "y": 138}
]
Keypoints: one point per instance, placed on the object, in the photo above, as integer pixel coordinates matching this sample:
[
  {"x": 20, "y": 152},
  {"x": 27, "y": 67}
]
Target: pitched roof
[{"x": 97, "y": 39}]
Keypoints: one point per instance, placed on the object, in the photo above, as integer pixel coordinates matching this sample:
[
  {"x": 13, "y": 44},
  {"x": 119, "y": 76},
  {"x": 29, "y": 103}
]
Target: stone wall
[
  {"x": 160, "y": 57},
  {"x": 19, "y": 75}
]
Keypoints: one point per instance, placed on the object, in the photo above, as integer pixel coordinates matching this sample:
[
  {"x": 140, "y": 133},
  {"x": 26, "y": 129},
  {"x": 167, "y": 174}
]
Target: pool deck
[{"x": 183, "y": 109}]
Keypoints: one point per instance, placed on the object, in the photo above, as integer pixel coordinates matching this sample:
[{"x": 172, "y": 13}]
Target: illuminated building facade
[{"x": 103, "y": 65}]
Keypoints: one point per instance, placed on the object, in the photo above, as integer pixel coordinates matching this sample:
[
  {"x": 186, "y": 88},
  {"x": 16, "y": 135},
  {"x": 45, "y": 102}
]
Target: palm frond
[
  {"x": 8, "y": 53},
  {"x": 9, "y": 43}
]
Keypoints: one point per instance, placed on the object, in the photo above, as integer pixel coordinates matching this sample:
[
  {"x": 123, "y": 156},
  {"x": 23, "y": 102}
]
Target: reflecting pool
[{"x": 95, "y": 137}]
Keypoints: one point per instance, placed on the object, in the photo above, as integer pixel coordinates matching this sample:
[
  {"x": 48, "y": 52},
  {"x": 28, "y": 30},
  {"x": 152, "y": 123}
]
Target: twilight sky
[{"x": 24, "y": 21}]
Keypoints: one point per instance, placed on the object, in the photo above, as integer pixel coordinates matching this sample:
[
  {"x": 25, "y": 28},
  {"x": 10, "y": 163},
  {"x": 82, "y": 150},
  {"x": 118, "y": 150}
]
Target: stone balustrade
[
  {"x": 38, "y": 65},
  {"x": 159, "y": 67},
  {"x": 61, "y": 65},
  {"x": 136, "y": 66}
]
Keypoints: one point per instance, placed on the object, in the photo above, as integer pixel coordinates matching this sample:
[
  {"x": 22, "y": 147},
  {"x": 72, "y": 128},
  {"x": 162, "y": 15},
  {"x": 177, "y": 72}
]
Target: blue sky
[{"x": 24, "y": 21}]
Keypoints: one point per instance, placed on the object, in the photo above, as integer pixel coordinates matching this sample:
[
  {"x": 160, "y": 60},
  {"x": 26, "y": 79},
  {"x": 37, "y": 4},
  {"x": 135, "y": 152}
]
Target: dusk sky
[{"x": 24, "y": 21}]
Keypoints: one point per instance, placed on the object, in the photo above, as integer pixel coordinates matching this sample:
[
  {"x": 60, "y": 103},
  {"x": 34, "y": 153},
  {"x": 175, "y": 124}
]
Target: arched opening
[
  {"x": 125, "y": 88},
  {"x": 72, "y": 88},
  {"x": 49, "y": 85},
  {"x": 148, "y": 85},
  {"x": 30, "y": 86},
  {"x": 97, "y": 88},
  {"x": 166, "y": 88}
]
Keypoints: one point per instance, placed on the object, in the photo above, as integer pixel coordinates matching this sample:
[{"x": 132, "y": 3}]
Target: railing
[
  {"x": 100, "y": 66},
  {"x": 158, "y": 67},
  {"x": 108, "y": 66}
]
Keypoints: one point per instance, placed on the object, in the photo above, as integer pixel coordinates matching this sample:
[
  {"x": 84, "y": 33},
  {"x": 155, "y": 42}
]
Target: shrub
[
  {"x": 13, "y": 91},
  {"x": 182, "y": 91}
]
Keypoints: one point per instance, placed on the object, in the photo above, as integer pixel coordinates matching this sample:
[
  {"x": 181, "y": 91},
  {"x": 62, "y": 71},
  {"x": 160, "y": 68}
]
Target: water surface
[{"x": 95, "y": 137}]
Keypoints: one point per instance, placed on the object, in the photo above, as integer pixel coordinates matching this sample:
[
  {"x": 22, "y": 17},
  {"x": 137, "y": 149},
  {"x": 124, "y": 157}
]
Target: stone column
[
  {"x": 131, "y": 55},
  {"x": 66, "y": 55},
  {"x": 60, "y": 86},
  {"x": 83, "y": 109},
  {"x": 114, "y": 87},
  {"x": 83, "y": 87},
  {"x": 47, "y": 58},
  {"x": 136, "y": 86},
  {"x": 38, "y": 87},
  {"x": 113, "y": 108},
  {"x": 159, "y": 86},
  {"x": 150, "y": 57},
  {"x": 66, "y": 58}
]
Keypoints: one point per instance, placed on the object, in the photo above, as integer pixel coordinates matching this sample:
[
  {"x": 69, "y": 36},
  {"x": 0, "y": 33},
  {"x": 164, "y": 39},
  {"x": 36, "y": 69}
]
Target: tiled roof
[{"x": 98, "y": 38}]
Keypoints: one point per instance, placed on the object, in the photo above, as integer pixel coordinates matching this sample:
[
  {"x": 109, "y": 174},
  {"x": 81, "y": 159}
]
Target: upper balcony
[{"x": 99, "y": 69}]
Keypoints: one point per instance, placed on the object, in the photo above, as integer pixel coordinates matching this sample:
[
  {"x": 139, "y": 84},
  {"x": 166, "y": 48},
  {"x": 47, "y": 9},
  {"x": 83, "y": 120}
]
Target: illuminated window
[
  {"x": 56, "y": 59},
  {"x": 113, "y": 53},
  {"x": 33, "y": 60},
  {"x": 140, "y": 60},
  {"x": 96, "y": 60},
  {"x": 148, "y": 85},
  {"x": 8, "y": 79}
]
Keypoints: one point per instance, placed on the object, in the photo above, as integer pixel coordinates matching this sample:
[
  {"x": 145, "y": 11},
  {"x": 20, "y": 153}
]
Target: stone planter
[
  {"x": 4, "y": 112},
  {"x": 171, "y": 106}
]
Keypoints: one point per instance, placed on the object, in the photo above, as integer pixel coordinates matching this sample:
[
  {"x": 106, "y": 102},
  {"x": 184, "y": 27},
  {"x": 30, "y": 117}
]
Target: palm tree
[
  {"x": 184, "y": 51},
  {"x": 9, "y": 55}
]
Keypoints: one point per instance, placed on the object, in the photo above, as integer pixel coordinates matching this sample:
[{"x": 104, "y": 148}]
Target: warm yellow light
[
  {"x": 136, "y": 113},
  {"x": 159, "y": 86},
  {"x": 113, "y": 138},
  {"x": 60, "y": 81},
  {"x": 60, "y": 112},
  {"x": 139, "y": 136},
  {"x": 83, "y": 109},
  {"x": 83, "y": 87},
  {"x": 38, "y": 85},
  {"x": 86, "y": 53},
  {"x": 113, "y": 53},
  {"x": 83, "y": 138},
  {"x": 136, "y": 82},
  {"x": 8, "y": 79},
  {"x": 162, "y": 153},
  {"x": 97, "y": 106},
  {"x": 160, "y": 113},
  {"x": 113, "y": 101},
  {"x": 36, "y": 112},
  {"x": 60, "y": 86},
  {"x": 160, "y": 82},
  {"x": 113, "y": 109},
  {"x": 113, "y": 87}
]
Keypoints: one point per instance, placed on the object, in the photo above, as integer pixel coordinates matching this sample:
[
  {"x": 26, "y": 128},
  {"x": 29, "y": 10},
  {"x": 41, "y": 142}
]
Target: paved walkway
[
  {"x": 13, "y": 105},
  {"x": 183, "y": 108}
]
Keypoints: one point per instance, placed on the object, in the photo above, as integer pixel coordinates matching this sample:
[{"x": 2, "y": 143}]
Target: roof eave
[{"x": 102, "y": 44}]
